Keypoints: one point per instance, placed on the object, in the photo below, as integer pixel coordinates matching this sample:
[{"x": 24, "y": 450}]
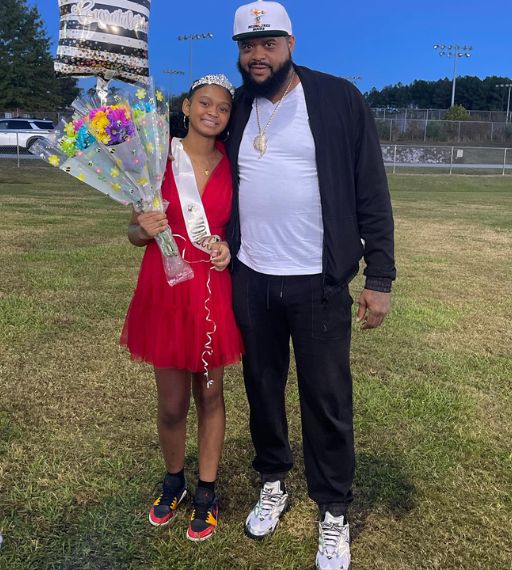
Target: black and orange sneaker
[
  {"x": 203, "y": 521},
  {"x": 164, "y": 507}
]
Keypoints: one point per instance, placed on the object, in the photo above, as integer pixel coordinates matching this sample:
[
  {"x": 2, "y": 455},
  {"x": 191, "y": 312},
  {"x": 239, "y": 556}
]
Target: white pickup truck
[{"x": 24, "y": 132}]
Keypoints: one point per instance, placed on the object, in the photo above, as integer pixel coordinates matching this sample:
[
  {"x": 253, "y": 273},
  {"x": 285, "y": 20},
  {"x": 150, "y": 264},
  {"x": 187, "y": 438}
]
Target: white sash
[{"x": 192, "y": 207}]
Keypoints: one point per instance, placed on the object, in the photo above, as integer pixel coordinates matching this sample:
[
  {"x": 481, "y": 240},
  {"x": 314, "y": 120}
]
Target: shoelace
[
  {"x": 332, "y": 533},
  {"x": 267, "y": 502}
]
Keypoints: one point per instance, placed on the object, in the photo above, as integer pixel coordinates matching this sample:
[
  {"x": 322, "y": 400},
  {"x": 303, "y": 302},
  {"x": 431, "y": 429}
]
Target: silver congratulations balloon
[{"x": 107, "y": 40}]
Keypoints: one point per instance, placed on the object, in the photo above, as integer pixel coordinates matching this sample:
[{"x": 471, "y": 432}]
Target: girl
[{"x": 173, "y": 327}]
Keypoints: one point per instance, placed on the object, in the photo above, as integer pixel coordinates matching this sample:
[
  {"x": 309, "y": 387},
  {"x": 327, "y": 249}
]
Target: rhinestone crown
[{"x": 218, "y": 79}]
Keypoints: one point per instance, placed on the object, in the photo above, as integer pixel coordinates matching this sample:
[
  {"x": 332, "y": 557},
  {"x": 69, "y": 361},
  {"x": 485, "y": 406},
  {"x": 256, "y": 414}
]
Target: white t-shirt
[{"x": 280, "y": 211}]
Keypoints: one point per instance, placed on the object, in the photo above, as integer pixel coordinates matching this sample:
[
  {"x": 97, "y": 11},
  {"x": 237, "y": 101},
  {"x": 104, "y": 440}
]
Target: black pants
[{"x": 270, "y": 309}]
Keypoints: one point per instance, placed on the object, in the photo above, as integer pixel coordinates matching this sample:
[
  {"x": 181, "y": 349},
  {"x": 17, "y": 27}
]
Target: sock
[
  {"x": 273, "y": 477},
  {"x": 210, "y": 485},
  {"x": 178, "y": 478},
  {"x": 336, "y": 510},
  {"x": 282, "y": 485}
]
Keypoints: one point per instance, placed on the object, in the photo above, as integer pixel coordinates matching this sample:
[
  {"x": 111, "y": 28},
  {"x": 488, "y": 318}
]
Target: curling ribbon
[{"x": 208, "y": 348}]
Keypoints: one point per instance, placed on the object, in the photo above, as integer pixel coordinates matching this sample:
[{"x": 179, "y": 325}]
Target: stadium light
[
  {"x": 455, "y": 51},
  {"x": 509, "y": 85},
  {"x": 189, "y": 38}
]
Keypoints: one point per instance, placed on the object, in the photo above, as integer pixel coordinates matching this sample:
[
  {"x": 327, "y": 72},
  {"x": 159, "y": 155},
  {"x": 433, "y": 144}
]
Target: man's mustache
[{"x": 259, "y": 64}]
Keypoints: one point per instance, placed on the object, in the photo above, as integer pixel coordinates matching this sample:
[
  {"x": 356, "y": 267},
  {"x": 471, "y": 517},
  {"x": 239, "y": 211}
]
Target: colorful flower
[
  {"x": 112, "y": 124},
  {"x": 144, "y": 107},
  {"x": 81, "y": 177},
  {"x": 150, "y": 147},
  {"x": 120, "y": 127},
  {"x": 67, "y": 145},
  {"x": 54, "y": 160},
  {"x": 78, "y": 123},
  {"x": 84, "y": 139},
  {"x": 116, "y": 186},
  {"x": 140, "y": 93},
  {"x": 69, "y": 129},
  {"x": 114, "y": 172},
  {"x": 159, "y": 96},
  {"x": 76, "y": 138},
  {"x": 156, "y": 203},
  {"x": 98, "y": 121}
]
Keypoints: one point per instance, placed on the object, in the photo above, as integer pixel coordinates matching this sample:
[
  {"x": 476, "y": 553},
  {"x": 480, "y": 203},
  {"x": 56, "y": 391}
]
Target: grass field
[{"x": 79, "y": 456}]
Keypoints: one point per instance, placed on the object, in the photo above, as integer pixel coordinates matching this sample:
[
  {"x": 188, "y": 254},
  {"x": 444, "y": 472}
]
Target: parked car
[{"x": 24, "y": 132}]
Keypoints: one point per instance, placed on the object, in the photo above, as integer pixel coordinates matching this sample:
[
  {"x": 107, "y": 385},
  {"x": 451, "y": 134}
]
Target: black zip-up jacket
[{"x": 353, "y": 185}]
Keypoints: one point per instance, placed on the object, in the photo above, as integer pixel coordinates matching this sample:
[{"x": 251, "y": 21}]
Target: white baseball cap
[{"x": 261, "y": 19}]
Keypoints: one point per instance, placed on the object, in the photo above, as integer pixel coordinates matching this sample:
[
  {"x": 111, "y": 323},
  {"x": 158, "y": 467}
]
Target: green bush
[
  {"x": 435, "y": 130},
  {"x": 456, "y": 113}
]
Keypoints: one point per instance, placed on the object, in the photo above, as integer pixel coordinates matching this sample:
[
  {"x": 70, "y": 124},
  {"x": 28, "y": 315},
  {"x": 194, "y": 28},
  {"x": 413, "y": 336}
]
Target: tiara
[{"x": 218, "y": 79}]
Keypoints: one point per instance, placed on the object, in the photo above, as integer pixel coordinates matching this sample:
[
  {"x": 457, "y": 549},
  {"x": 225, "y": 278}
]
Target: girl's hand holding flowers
[
  {"x": 151, "y": 224},
  {"x": 220, "y": 255}
]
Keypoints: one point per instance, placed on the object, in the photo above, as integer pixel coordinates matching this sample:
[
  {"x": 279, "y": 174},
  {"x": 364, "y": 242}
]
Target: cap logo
[
  {"x": 258, "y": 26},
  {"x": 257, "y": 14}
]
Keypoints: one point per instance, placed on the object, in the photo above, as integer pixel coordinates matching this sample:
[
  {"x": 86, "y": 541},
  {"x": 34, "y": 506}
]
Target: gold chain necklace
[
  {"x": 207, "y": 170},
  {"x": 261, "y": 141}
]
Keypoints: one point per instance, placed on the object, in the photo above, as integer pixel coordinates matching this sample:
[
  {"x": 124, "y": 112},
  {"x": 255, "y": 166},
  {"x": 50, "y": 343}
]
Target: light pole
[
  {"x": 454, "y": 51},
  {"x": 509, "y": 86},
  {"x": 172, "y": 72},
  {"x": 191, "y": 37}
]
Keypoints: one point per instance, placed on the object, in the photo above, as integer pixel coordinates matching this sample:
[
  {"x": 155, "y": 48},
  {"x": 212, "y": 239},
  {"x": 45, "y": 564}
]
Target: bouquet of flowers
[
  {"x": 152, "y": 122},
  {"x": 120, "y": 148}
]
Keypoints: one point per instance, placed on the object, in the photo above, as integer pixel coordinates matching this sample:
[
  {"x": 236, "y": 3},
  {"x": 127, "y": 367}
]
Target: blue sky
[{"x": 383, "y": 42}]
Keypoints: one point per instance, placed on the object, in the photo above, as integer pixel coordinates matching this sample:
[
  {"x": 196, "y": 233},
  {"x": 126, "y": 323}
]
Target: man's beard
[{"x": 270, "y": 86}]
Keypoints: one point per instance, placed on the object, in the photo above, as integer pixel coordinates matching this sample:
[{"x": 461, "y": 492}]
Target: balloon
[{"x": 104, "y": 39}]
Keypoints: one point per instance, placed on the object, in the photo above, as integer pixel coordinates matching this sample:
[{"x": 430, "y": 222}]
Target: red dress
[{"x": 168, "y": 326}]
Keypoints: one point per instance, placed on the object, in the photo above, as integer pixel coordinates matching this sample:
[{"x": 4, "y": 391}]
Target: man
[{"x": 310, "y": 199}]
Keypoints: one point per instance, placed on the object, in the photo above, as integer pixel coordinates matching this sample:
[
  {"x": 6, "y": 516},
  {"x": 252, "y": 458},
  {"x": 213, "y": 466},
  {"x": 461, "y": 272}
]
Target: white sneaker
[
  {"x": 333, "y": 544},
  {"x": 263, "y": 519}
]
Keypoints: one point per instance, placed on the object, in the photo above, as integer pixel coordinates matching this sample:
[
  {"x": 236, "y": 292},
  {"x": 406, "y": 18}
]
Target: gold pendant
[{"x": 260, "y": 144}]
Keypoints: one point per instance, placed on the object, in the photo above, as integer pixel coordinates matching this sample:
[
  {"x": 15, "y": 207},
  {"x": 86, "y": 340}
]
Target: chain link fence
[
  {"x": 15, "y": 151},
  {"x": 429, "y": 159},
  {"x": 393, "y": 126},
  {"x": 54, "y": 116},
  {"x": 15, "y": 139},
  {"x": 436, "y": 114},
  {"x": 405, "y": 127},
  {"x": 435, "y": 131},
  {"x": 447, "y": 159},
  {"x": 379, "y": 113}
]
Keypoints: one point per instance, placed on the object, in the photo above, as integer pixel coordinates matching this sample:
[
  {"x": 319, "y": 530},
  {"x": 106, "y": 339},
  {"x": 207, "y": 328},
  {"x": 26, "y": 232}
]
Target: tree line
[
  {"x": 27, "y": 78},
  {"x": 471, "y": 93}
]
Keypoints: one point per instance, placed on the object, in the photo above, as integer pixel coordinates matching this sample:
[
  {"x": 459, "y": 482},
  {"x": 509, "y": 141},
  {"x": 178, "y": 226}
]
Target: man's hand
[{"x": 373, "y": 308}]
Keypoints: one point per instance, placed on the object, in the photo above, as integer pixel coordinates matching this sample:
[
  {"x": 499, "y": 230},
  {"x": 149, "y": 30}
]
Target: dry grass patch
[{"x": 79, "y": 454}]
